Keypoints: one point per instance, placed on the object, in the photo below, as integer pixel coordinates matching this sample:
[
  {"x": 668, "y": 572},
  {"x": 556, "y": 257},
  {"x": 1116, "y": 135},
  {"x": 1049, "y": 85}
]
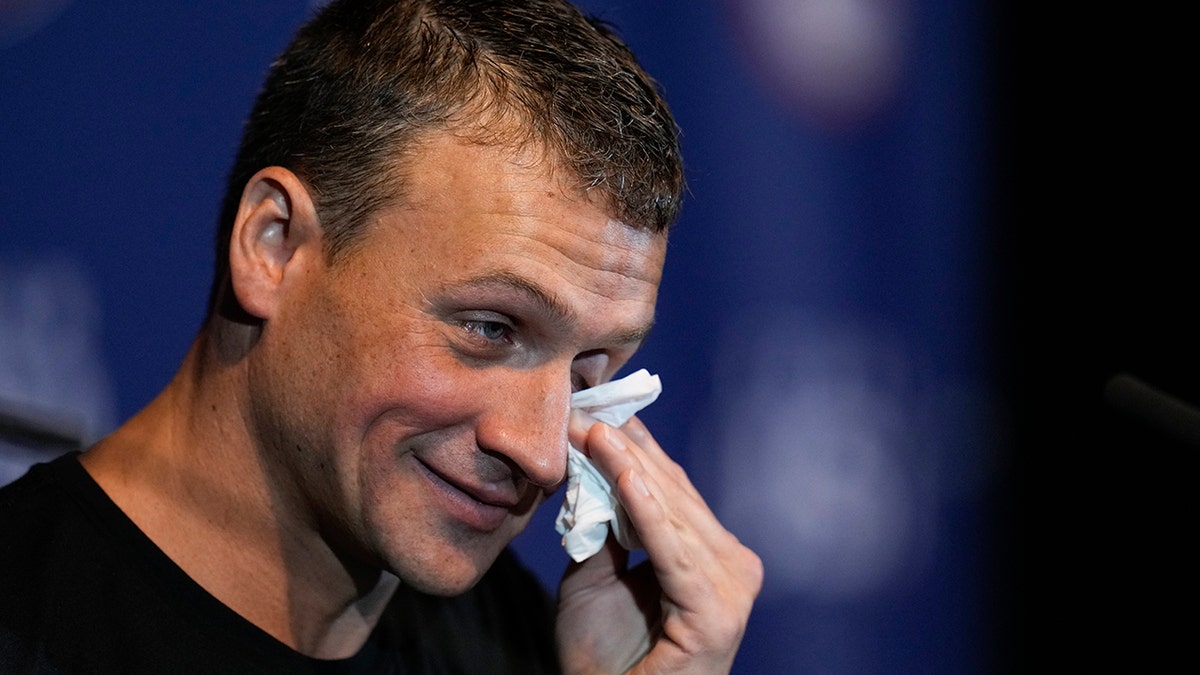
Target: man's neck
[{"x": 188, "y": 473}]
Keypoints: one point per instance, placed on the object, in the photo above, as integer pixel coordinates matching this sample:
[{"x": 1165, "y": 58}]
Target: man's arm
[{"x": 686, "y": 607}]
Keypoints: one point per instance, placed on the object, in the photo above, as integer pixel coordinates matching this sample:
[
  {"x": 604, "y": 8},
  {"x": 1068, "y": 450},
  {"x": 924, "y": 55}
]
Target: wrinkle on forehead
[
  {"x": 627, "y": 249},
  {"x": 583, "y": 262},
  {"x": 510, "y": 209}
]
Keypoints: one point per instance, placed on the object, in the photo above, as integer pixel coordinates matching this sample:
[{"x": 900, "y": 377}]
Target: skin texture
[
  {"x": 685, "y": 608},
  {"x": 420, "y": 388},
  {"x": 396, "y": 417}
]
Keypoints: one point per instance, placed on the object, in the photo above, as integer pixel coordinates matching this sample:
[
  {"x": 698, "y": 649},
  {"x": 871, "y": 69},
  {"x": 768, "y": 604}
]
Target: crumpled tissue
[{"x": 589, "y": 507}]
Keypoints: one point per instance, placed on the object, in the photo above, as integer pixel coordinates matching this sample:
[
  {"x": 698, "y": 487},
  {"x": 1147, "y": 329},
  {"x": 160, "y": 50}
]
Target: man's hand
[{"x": 682, "y": 610}]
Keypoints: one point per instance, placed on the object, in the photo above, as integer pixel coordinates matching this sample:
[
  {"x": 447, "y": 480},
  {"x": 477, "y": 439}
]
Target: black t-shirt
[{"x": 83, "y": 590}]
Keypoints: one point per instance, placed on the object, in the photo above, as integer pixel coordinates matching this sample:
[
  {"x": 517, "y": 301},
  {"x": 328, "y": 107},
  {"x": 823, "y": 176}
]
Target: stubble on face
[{"x": 415, "y": 394}]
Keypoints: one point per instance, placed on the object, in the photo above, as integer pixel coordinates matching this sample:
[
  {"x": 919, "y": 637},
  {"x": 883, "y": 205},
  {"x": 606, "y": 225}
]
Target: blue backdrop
[{"x": 823, "y": 331}]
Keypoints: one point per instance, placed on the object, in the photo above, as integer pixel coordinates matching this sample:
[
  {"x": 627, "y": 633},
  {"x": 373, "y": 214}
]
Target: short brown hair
[{"x": 349, "y": 96}]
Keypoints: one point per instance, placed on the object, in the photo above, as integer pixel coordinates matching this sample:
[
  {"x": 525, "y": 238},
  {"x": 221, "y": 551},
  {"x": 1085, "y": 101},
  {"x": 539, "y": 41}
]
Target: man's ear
[{"x": 275, "y": 231}]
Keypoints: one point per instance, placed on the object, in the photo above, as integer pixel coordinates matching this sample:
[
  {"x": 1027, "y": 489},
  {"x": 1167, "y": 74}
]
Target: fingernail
[
  {"x": 613, "y": 438},
  {"x": 638, "y": 483}
]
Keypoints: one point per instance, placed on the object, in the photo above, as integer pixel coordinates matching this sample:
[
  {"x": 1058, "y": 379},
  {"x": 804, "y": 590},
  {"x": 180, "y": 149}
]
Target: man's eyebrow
[{"x": 550, "y": 304}]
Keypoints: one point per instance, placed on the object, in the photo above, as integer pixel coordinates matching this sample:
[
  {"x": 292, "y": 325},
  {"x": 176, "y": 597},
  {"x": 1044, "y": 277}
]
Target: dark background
[
  {"x": 1097, "y": 232},
  {"x": 1010, "y": 231}
]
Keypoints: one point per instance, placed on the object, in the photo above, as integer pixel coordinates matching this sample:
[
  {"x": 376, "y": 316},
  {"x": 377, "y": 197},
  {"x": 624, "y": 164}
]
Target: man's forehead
[
  {"x": 506, "y": 141},
  {"x": 442, "y": 172}
]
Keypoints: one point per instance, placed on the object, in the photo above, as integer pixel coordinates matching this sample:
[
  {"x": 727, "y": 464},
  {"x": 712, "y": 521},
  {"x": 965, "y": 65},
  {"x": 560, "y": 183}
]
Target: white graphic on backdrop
[
  {"x": 51, "y": 365},
  {"x": 833, "y": 461},
  {"x": 839, "y": 59}
]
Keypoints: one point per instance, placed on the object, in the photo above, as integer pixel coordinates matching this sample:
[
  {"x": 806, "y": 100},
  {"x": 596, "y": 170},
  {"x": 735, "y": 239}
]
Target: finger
[
  {"x": 712, "y": 586},
  {"x": 614, "y": 453},
  {"x": 632, "y": 447},
  {"x": 665, "y": 546},
  {"x": 708, "y": 579},
  {"x": 578, "y": 428},
  {"x": 660, "y": 462},
  {"x": 713, "y": 580}
]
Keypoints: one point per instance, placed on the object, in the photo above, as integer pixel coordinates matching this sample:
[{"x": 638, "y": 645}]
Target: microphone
[{"x": 1157, "y": 409}]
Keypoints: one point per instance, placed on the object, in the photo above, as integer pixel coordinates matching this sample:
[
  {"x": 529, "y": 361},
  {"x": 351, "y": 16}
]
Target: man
[{"x": 444, "y": 218}]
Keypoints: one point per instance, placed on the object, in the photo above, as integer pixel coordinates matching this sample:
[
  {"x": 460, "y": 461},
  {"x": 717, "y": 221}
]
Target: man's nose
[{"x": 526, "y": 422}]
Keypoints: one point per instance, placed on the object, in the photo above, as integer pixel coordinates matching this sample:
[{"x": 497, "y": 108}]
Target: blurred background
[{"x": 920, "y": 237}]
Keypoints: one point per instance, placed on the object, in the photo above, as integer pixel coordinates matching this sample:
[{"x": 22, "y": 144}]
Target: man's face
[{"x": 416, "y": 393}]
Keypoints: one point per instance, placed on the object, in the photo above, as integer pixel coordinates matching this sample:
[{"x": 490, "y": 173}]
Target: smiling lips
[{"x": 482, "y": 508}]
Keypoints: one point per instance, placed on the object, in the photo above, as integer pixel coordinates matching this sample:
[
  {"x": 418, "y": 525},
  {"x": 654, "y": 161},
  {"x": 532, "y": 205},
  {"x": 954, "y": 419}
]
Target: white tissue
[{"x": 589, "y": 507}]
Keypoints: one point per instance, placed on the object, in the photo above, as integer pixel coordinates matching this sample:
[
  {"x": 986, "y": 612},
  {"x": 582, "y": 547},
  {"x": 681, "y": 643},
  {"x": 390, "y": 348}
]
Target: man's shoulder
[
  {"x": 35, "y": 511},
  {"x": 82, "y": 590},
  {"x": 30, "y": 505},
  {"x": 41, "y": 523}
]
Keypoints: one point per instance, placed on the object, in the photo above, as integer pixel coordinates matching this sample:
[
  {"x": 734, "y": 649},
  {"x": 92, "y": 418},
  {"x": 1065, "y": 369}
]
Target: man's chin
[
  {"x": 453, "y": 574},
  {"x": 443, "y": 585}
]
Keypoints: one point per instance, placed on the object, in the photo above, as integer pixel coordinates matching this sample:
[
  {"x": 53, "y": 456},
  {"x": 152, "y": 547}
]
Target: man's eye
[{"x": 489, "y": 330}]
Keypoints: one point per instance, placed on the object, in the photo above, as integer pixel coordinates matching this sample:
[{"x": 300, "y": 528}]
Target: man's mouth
[{"x": 482, "y": 507}]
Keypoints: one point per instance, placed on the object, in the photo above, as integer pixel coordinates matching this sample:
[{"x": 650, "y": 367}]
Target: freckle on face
[{"x": 374, "y": 383}]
